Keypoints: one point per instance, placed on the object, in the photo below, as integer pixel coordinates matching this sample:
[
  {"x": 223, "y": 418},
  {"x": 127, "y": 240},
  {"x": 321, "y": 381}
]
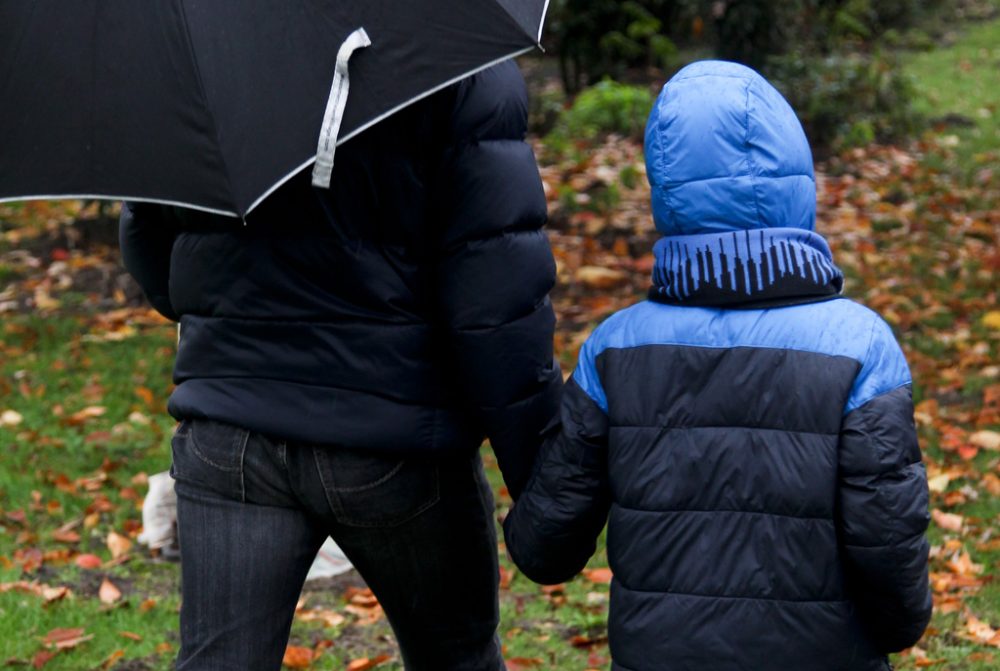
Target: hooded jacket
[
  {"x": 746, "y": 433},
  {"x": 405, "y": 309}
]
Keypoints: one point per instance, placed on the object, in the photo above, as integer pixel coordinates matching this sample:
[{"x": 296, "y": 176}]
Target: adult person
[{"x": 342, "y": 355}]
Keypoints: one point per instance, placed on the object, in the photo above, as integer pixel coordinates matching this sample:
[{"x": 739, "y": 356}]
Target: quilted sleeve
[
  {"x": 495, "y": 269},
  {"x": 883, "y": 500}
]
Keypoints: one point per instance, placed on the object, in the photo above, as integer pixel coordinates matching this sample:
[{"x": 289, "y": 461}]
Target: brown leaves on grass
[
  {"x": 45, "y": 592},
  {"x": 363, "y": 604},
  {"x": 364, "y": 664}
]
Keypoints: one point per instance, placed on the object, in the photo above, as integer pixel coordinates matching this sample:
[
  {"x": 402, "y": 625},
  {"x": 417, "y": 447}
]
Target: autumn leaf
[
  {"x": 88, "y": 561},
  {"x": 600, "y": 576},
  {"x": 987, "y": 440},
  {"x": 112, "y": 659},
  {"x": 364, "y": 663},
  {"x": 146, "y": 394},
  {"x": 84, "y": 415},
  {"x": 65, "y": 639},
  {"x": 947, "y": 521},
  {"x": 9, "y": 418},
  {"x": 42, "y": 657},
  {"x": 522, "y": 663},
  {"x": 297, "y": 657},
  {"x": 109, "y": 593},
  {"x": 118, "y": 545}
]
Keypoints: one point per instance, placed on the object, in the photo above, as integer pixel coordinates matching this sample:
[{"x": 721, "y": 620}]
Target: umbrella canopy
[{"x": 213, "y": 104}]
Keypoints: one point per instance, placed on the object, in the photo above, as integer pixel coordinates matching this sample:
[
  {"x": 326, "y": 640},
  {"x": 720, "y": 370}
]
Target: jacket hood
[{"x": 725, "y": 152}]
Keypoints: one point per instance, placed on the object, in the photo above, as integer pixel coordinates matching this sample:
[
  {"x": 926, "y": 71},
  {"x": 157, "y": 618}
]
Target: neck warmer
[{"x": 760, "y": 268}]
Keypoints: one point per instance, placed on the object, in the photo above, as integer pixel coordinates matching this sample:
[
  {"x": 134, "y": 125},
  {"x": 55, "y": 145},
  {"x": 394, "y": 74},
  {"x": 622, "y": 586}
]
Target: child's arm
[
  {"x": 883, "y": 500},
  {"x": 553, "y": 529}
]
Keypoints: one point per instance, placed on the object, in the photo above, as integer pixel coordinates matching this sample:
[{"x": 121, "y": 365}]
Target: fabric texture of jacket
[
  {"x": 757, "y": 466},
  {"x": 405, "y": 309}
]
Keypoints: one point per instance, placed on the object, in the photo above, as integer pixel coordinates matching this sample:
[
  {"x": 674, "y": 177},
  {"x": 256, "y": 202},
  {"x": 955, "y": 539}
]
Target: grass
[
  {"x": 51, "y": 369},
  {"x": 964, "y": 79}
]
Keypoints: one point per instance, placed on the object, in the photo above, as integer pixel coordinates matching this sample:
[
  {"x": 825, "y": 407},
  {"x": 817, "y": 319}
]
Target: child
[{"x": 750, "y": 431}]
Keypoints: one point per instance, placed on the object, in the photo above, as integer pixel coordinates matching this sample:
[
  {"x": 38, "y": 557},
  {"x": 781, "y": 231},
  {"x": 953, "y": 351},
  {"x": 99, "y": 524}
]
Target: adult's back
[
  {"x": 342, "y": 355},
  {"x": 404, "y": 309}
]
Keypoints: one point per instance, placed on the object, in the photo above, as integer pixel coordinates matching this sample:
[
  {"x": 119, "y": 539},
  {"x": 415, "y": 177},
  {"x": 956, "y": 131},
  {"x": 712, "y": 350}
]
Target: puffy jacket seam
[
  {"x": 750, "y": 164},
  {"x": 674, "y": 184},
  {"x": 477, "y": 328},
  {"x": 526, "y": 228},
  {"x": 352, "y": 321},
  {"x": 354, "y": 390},
  {"x": 709, "y": 511},
  {"x": 891, "y": 544},
  {"x": 622, "y": 585},
  {"x": 731, "y": 426},
  {"x": 727, "y": 347}
]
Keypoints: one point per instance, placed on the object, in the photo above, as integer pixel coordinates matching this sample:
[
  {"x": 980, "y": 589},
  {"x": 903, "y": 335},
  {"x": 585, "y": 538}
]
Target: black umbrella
[{"x": 212, "y": 104}]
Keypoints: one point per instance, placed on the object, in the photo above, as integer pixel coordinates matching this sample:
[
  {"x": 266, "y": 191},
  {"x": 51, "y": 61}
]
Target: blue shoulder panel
[{"x": 836, "y": 328}]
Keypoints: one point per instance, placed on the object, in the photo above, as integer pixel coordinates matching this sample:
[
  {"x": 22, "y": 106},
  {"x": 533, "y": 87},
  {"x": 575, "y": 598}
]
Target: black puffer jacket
[{"x": 404, "y": 309}]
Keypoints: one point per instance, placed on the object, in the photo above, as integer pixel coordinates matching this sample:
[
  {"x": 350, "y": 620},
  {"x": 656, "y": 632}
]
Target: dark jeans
[{"x": 253, "y": 512}]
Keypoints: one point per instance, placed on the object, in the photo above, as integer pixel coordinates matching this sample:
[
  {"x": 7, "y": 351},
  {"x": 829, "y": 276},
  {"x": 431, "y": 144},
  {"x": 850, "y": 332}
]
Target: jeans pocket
[
  {"x": 365, "y": 490},
  {"x": 209, "y": 456}
]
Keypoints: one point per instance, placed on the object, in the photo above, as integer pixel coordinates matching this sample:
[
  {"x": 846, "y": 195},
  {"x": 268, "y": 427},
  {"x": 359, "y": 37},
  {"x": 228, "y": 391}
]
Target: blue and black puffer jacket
[
  {"x": 403, "y": 310},
  {"x": 749, "y": 432}
]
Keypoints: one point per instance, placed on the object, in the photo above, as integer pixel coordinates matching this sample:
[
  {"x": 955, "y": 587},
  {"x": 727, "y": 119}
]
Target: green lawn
[{"x": 964, "y": 79}]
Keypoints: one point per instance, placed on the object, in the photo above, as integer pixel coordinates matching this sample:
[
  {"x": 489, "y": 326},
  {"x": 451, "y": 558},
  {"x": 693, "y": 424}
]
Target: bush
[
  {"x": 608, "y": 107},
  {"x": 604, "y": 38},
  {"x": 847, "y": 100}
]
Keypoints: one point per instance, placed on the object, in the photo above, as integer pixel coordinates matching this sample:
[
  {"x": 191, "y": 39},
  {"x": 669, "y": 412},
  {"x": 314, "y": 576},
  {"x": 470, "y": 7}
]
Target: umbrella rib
[
  {"x": 208, "y": 109},
  {"x": 382, "y": 117},
  {"x": 537, "y": 37}
]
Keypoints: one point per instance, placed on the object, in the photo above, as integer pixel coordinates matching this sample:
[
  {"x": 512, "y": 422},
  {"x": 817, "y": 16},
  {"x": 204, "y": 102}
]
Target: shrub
[
  {"x": 847, "y": 100},
  {"x": 608, "y": 107},
  {"x": 604, "y": 38}
]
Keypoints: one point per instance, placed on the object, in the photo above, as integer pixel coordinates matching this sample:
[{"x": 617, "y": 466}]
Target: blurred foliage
[
  {"x": 829, "y": 57},
  {"x": 608, "y": 107},
  {"x": 601, "y": 38},
  {"x": 847, "y": 100}
]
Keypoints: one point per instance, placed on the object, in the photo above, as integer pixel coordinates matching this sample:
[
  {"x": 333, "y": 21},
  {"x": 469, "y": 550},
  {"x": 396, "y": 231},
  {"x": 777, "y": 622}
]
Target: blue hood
[{"x": 725, "y": 152}]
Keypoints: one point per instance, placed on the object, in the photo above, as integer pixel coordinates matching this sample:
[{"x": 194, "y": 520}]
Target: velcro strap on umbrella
[{"x": 335, "y": 106}]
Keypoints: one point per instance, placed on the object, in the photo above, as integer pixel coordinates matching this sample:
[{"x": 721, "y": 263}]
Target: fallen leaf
[
  {"x": 947, "y": 521},
  {"x": 112, "y": 659},
  {"x": 109, "y": 593},
  {"x": 88, "y": 562},
  {"x": 988, "y": 440},
  {"x": 992, "y": 320},
  {"x": 329, "y": 618},
  {"x": 521, "y": 663},
  {"x": 297, "y": 657},
  {"x": 10, "y": 418},
  {"x": 939, "y": 483},
  {"x": 118, "y": 544},
  {"x": 364, "y": 663},
  {"x": 87, "y": 413},
  {"x": 600, "y": 576},
  {"x": 597, "y": 277},
  {"x": 65, "y": 639},
  {"x": 42, "y": 658}
]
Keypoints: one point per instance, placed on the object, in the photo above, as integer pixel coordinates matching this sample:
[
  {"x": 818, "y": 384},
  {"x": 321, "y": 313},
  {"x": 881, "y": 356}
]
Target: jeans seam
[
  {"x": 372, "y": 485},
  {"x": 201, "y": 455},
  {"x": 335, "y": 508},
  {"x": 243, "y": 454}
]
